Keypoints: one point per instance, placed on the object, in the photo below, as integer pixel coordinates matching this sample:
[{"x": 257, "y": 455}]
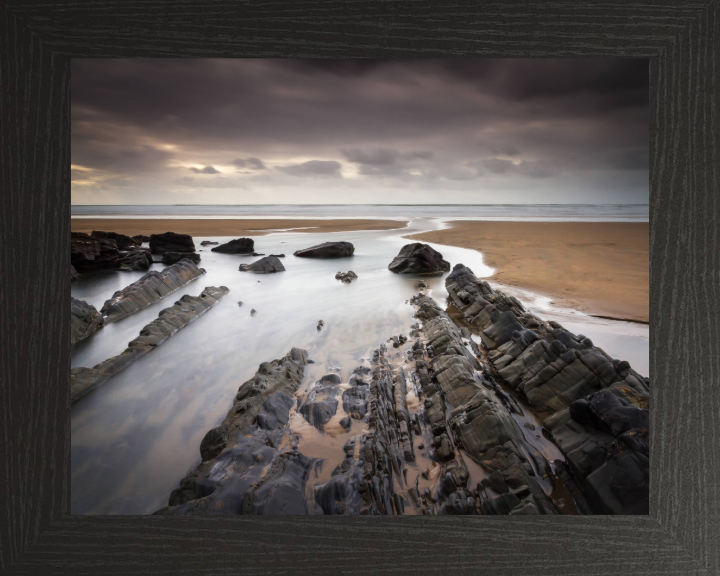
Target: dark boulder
[
  {"x": 208, "y": 243},
  {"x": 123, "y": 242},
  {"x": 267, "y": 265},
  {"x": 141, "y": 238},
  {"x": 173, "y": 257},
  {"x": 237, "y": 246},
  {"x": 171, "y": 242},
  {"x": 136, "y": 259},
  {"x": 88, "y": 253},
  {"x": 327, "y": 250},
  {"x": 320, "y": 404},
  {"x": 419, "y": 258}
]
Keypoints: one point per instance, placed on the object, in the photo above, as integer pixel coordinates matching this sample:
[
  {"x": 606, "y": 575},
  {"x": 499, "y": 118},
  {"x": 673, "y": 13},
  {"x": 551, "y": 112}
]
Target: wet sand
[
  {"x": 227, "y": 227},
  {"x": 600, "y": 268}
]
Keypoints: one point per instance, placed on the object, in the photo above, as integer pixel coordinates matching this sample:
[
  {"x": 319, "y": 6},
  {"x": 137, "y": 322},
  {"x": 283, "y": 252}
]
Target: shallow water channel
[{"x": 137, "y": 435}]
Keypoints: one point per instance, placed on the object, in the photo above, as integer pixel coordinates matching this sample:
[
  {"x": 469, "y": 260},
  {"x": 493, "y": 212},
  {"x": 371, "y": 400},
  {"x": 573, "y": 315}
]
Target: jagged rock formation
[
  {"x": 250, "y": 462},
  {"x": 168, "y": 322},
  {"x": 123, "y": 242},
  {"x": 84, "y": 320},
  {"x": 346, "y": 277},
  {"x": 237, "y": 246},
  {"x": 479, "y": 421},
  {"x": 595, "y": 407},
  {"x": 88, "y": 253},
  {"x": 319, "y": 404},
  {"x": 171, "y": 242},
  {"x": 173, "y": 257},
  {"x": 418, "y": 258},
  {"x": 149, "y": 289},
  {"x": 327, "y": 250},
  {"x": 267, "y": 265}
]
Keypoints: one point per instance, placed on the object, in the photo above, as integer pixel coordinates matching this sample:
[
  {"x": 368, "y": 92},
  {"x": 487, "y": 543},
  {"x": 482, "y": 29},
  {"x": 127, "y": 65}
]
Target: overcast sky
[{"x": 359, "y": 131}]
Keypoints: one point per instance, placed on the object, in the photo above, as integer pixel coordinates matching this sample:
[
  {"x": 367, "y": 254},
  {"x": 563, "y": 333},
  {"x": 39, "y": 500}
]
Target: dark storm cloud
[
  {"x": 425, "y": 123},
  {"x": 313, "y": 168},
  {"x": 206, "y": 170}
]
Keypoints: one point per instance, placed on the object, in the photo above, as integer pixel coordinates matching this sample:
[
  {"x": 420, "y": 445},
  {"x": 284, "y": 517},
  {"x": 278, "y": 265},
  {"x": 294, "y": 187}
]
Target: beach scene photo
[{"x": 360, "y": 287}]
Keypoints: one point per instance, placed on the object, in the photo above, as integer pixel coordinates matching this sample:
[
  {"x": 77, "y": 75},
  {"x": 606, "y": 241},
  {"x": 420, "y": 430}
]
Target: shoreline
[
  {"x": 600, "y": 268},
  {"x": 229, "y": 227}
]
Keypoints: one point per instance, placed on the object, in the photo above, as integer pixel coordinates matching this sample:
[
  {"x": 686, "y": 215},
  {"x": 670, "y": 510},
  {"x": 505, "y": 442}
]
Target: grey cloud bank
[{"x": 359, "y": 131}]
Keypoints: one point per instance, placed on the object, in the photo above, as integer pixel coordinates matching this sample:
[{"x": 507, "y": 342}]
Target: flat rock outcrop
[
  {"x": 171, "y": 242},
  {"x": 88, "y": 253},
  {"x": 266, "y": 265},
  {"x": 123, "y": 242},
  {"x": 418, "y": 258},
  {"x": 84, "y": 320},
  {"x": 327, "y": 250},
  {"x": 149, "y": 289},
  {"x": 250, "y": 462},
  {"x": 173, "y": 257},
  {"x": 237, "y": 246},
  {"x": 168, "y": 322}
]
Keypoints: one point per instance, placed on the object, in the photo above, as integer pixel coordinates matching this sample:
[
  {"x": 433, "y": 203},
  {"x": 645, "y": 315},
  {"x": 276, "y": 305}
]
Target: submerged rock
[
  {"x": 150, "y": 288},
  {"x": 346, "y": 277},
  {"x": 327, "y": 250},
  {"x": 171, "y": 242},
  {"x": 418, "y": 258},
  {"x": 84, "y": 320},
  {"x": 208, "y": 243},
  {"x": 267, "y": 265},
  {"x": 237, "y": 246},
  {"x": 88, "y": 253},
  {"x": 173, "y": 257},
  {"x": 168, "y": 322}
]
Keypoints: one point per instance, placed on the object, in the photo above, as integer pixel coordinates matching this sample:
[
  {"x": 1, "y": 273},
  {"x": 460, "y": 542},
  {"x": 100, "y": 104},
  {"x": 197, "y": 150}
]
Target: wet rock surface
[
  {"x": 327, "y": 250},
  {"x": 121, "y": 241},
  {"x": 418, "y": 258},
  {"x": 237, "y": 246},
  {"x": 594, "y": 407},
  {"x": 148, "y": 289},
  {"x": 171, "y": 242},
  {"x": 266, "y": 265},
  {"x": 168, "y": 322},
  {"x": 250, "y": 462},
  {"x": 84, "y": 320},
  {"x": 137, "y": 258}
]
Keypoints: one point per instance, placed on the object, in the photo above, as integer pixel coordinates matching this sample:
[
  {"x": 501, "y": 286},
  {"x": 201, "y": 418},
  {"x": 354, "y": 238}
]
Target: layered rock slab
[
  {"x": 152, "y": 287},
  {"x": 168, "y": 322},
  {"x": 250, "y": 462}
]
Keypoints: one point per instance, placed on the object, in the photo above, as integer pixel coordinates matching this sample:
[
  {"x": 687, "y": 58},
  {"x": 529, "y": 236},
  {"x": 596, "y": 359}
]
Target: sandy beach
[
  {"x": 601, "y": 268},
  {"x": 227, "y": 227}
]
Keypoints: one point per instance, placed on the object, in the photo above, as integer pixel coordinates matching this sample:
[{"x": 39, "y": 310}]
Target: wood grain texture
[{"x": 37, "y": 534}]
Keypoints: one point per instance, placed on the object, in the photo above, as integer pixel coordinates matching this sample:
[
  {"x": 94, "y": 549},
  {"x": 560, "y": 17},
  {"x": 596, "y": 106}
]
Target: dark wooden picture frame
[{"x": 37, "y": 532}]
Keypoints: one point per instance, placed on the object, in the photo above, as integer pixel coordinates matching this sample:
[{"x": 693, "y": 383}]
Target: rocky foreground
[
  {"x": 169, "y": 321},
  {"x": 533, "y": 420}
]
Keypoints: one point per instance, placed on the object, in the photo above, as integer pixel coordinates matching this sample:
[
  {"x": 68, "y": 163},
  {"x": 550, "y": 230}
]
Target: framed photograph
[{"x": 316, "y": 275}]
